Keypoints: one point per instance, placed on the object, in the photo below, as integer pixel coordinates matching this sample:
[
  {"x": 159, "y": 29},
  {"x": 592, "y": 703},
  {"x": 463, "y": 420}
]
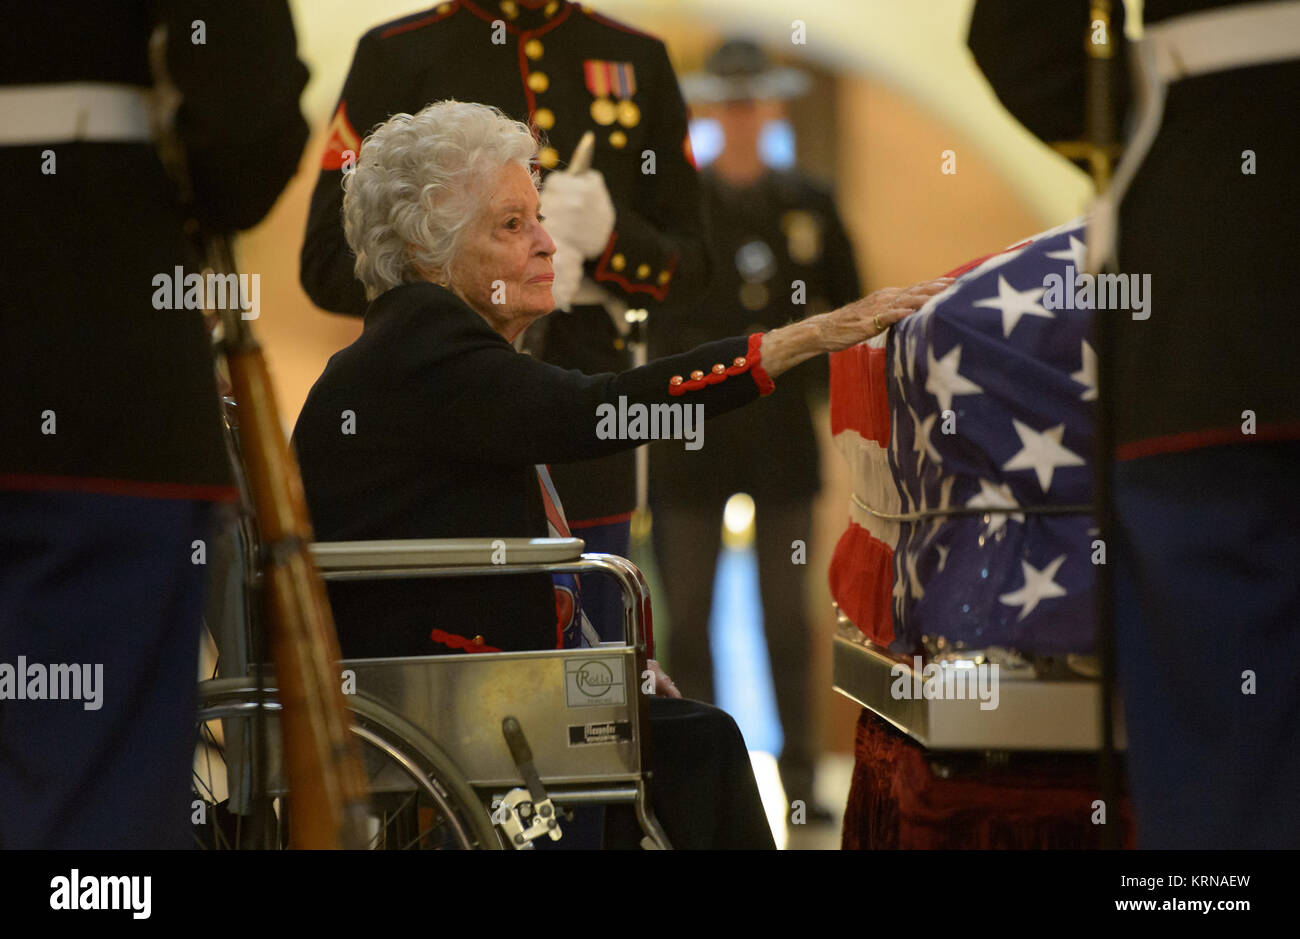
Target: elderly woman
[{"x": 432, "y": 425}]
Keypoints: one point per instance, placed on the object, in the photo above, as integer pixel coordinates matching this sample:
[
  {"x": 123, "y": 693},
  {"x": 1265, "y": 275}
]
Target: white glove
[
  {"x": 578, "y": 211},
  {"x": 567, "y": 264}
]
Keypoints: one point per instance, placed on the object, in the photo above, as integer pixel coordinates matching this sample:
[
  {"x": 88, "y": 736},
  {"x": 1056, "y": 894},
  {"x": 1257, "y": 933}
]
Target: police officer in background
[
  {"x": 782, "y": 254},
  {"x": 111, "y": 451},
  {"x": 628, "y": 232}
]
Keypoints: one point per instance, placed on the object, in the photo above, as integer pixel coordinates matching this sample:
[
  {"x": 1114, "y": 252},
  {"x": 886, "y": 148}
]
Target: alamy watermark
[
  {"x": 208, "y": 291},
  {"x": 79, "y": 891},
  {"x": 1084, "y": 291},
  {"x": 947, "y": 682},
  {"x": 33, "y": 681},
  {"x": 639, "y": 421}
]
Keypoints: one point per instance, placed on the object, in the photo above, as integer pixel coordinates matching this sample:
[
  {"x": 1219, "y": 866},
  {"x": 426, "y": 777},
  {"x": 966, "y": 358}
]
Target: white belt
[
  {"x": 1182, "y": 47},
  {"x": 1231, "y": 37},
  {"x": 64, "y": 113}
]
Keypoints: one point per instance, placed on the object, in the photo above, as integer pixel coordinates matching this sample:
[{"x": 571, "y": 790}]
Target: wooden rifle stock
[
  {"x": 327, "y": 788},
  {"x": 328, "y": 797}
]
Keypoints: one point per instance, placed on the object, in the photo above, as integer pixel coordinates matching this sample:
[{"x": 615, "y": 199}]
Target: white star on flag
[
  {"x": 1042, "y": 453},
  {"x": 995, "y": 497},
  {"x": 1015, "y": 303},
  {"x": 943, "y": 380},
  {"x": 1039, "y": 585},
  {"x": 1087, "y": 373},
  {"x": 922, "y": 442},
  {"x": 1076, "y": 254},
  {"x": 910, "y": 563}
]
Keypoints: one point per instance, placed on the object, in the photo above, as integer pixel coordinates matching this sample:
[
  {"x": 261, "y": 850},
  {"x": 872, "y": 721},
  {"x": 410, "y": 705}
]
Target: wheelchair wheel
[{"x": 418, "y": 799}]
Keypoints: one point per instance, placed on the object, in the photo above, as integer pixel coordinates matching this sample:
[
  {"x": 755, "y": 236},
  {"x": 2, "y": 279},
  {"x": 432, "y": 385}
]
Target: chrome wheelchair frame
[{"x": 523, "y": 732}]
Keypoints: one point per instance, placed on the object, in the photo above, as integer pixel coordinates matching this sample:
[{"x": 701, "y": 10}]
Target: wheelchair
[{"x": 462, "y": 751}]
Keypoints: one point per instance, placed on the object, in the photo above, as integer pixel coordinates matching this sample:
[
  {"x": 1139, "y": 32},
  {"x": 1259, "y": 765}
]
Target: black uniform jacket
[
  {"x": 130, "y": 388},
  {"x": 1219, "y": 246},
  {"x": 552, "y": 56},
  {"x": 780, "y": 231},
  {"x": 430, "y": 426}
]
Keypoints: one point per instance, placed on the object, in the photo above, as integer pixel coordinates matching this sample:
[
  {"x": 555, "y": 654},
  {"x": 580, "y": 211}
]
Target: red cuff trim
[
  {"x": 752, "y": 363},
  {"x": 755, "y": 357},
  {"x": 460, "y": 642}
]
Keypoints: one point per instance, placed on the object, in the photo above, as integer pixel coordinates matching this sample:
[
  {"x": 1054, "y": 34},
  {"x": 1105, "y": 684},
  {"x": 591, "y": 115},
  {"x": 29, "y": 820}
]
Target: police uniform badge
[{"x": 803, "y": 236}]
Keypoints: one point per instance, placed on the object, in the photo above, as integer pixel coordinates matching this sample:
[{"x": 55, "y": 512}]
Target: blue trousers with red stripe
[{"x": 1207, "y": 631}]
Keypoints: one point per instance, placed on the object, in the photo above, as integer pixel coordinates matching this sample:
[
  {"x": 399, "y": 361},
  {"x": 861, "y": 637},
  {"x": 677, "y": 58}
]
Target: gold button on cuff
[
  {"x": 719, "y": 369},
  {"x": 548, "y": 157},
  {"x": 544, "y": 118},
  {"x": 696, "y": 375},
  {"x": 552, "y": 7},
  {"x": 675, "y": 380},
  {"x": 533, "y": 49},
  {"x": 642, "y": 271},
  {"x": 509, "y": 8},
  {"x": 739, "y": 361},
  {"x": 665, "y": 276},
  {"x": 538, "y": 82},
  {"x": 618, "y": 262},
  {"x": 618, "y": 140},
  {"x": 478, "y": 640}
]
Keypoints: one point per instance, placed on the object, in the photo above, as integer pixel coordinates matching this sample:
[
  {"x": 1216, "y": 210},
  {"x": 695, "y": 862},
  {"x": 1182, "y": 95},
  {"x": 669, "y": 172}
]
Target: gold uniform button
[
  {"x": 739, "y": 361},
  {"x": 675, "y": 380},
  {"x": 533, "y": 48},
  {"x": 538, "y": 82},
  {"x": 509, "y": 8},
  {"x": 618, "y": 262},
  {"x": 548, "y": 157},
  {"x": 642, "y": 271},
  {"x": 619, "y": 344},
  {"x": 719, "y": 369},
  {"x": 443, "y": 8},
  {"x": 618, "y": 140},
  {"x": 665, "y": 276},
  {"x": 478, "y": 640},
  {"x": 544, "y": 118},
  {"x": 551, "y": 8},
  {"x": 696, "y": 375}
]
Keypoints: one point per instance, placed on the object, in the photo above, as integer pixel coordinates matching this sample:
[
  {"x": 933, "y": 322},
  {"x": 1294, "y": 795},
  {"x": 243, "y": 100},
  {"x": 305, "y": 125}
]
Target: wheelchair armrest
[{"x": 443, "y": 552}]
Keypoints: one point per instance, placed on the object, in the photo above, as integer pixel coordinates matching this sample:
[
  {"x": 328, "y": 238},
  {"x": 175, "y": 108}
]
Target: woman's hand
[
  {"x": 663, "y": 684},
  {"x": 855, "y": 322},
  {"x": 876, "y": 312}
]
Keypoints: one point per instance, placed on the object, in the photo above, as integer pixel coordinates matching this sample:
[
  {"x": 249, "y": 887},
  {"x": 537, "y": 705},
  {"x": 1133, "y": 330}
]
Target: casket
[{"x": 967, "y": 429}]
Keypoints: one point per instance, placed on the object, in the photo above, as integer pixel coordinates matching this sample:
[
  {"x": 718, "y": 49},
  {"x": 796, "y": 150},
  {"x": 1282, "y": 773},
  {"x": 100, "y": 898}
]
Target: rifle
[{"x": 328, "y": 796}]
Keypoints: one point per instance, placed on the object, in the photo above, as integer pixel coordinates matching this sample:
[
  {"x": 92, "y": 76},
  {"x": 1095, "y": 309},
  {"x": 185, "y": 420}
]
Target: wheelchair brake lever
[{"x": 525, "y": 816}]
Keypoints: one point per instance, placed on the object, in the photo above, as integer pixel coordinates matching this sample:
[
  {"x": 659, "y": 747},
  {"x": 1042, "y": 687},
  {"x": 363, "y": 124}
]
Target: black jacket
[
  {"x": 781, "y": 230},
  {"x": 448, "y": 421},
  {"x": 131, "y": 387}
]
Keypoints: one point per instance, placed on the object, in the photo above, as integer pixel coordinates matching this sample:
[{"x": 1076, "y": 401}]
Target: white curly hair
[{"x": 419, "y": 182}]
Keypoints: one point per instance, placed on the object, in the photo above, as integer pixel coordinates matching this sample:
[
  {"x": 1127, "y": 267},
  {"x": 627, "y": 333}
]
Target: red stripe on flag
[
  {"x": 861, "y": 578},
  {"x": 859, "y": 401}
]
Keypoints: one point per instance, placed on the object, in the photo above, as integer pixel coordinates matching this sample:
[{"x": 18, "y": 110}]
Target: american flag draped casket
[{"x": 980, "y": 401}]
